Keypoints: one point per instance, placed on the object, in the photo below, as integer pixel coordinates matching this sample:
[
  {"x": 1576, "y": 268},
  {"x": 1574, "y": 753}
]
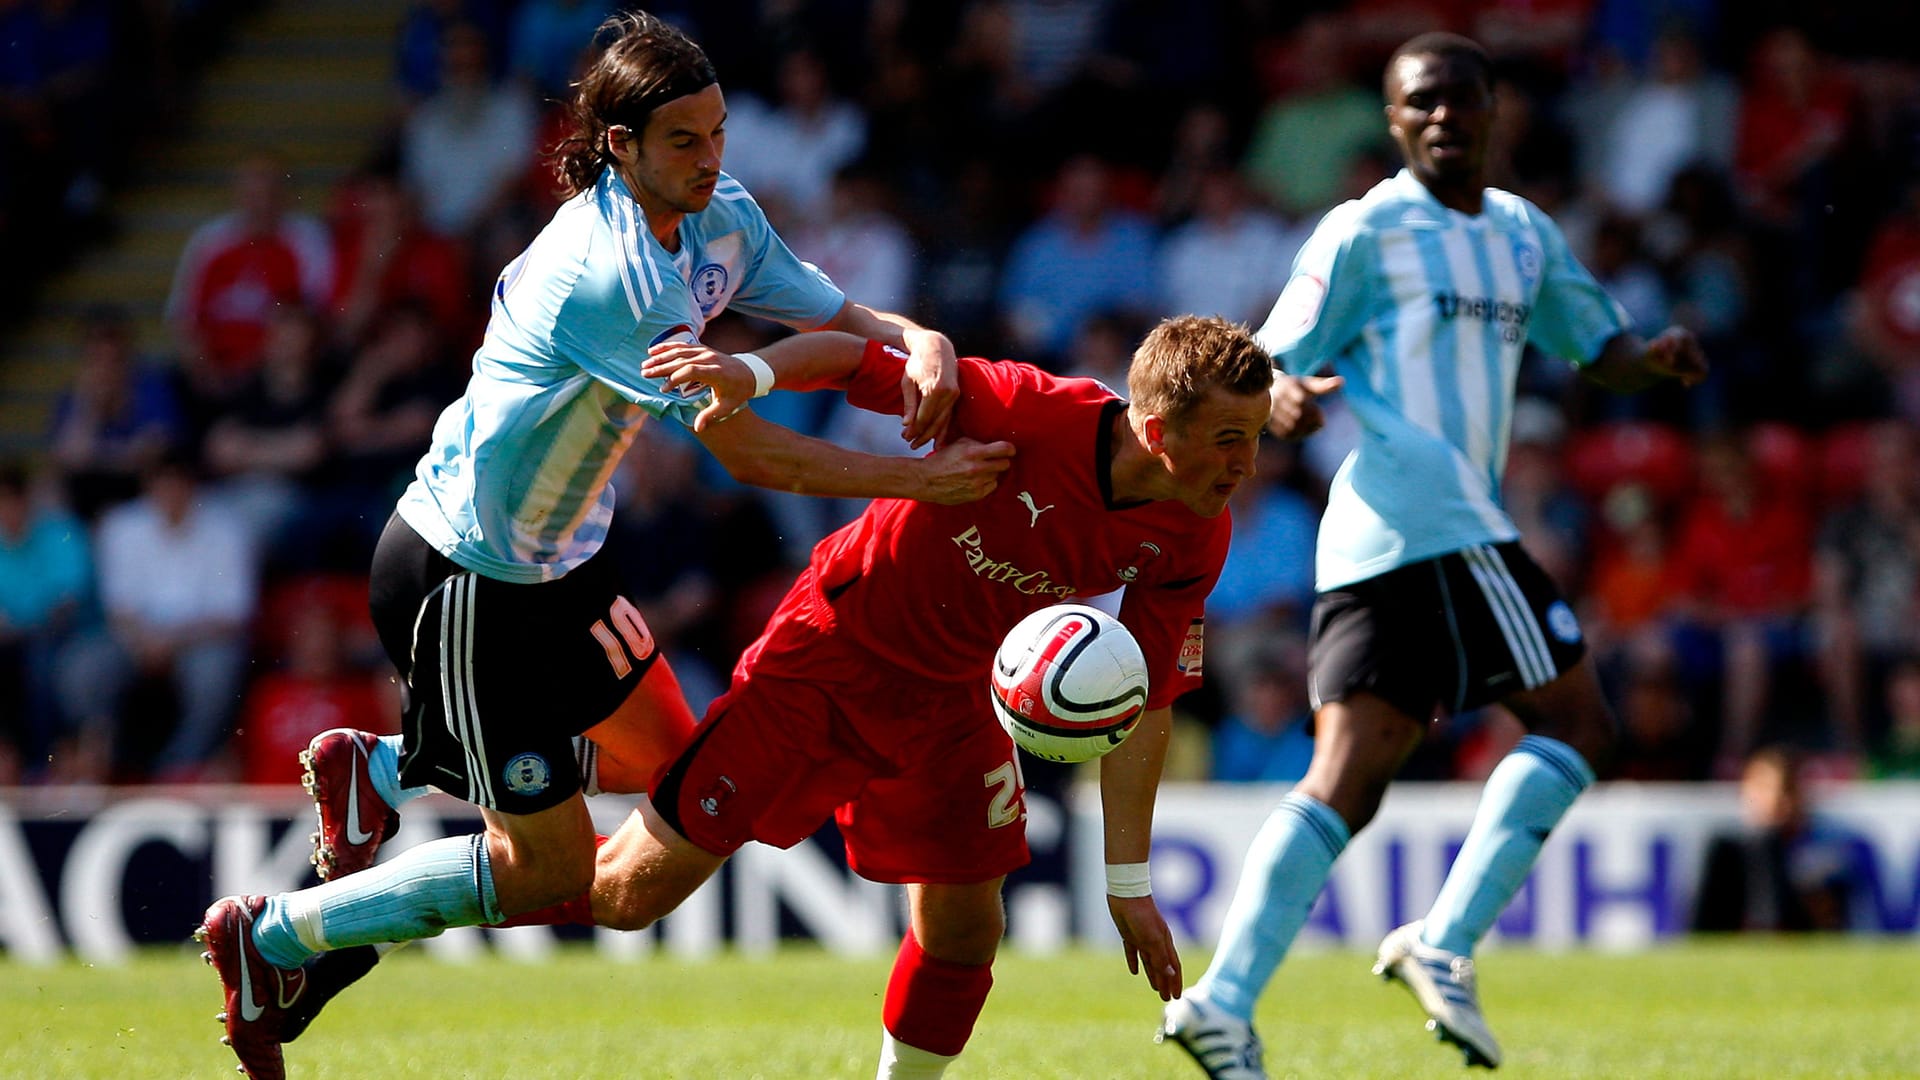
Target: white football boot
[
  {"x": 1443, "y": 984},
  {"x": 1224, "y": 1046}
]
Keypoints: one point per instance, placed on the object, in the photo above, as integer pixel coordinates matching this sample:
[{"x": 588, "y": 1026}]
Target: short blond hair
[{"x": 1184, "y": 358}]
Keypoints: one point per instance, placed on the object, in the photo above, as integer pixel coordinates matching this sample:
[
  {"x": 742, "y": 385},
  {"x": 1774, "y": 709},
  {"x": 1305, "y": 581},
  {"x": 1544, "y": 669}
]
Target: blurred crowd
[
  {"x": 1040, "y": 179},
  {"x": 85, "y": 85}
]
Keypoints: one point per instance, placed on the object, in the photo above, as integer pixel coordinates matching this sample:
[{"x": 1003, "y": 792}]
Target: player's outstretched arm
[
  {"x": 1296, "y": 403},
  {"x": 930, "y": 385},
  {"x": 1627, "y": 364},
  {"x": 1129, "y": 780},
  {"x": 759, "y": 452},
  {"x": 816, "y": 361}
]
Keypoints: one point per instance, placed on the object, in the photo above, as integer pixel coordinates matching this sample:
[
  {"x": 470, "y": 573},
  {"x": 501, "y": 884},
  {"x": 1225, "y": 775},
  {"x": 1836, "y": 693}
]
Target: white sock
[{"x": 898, "y": 1061}]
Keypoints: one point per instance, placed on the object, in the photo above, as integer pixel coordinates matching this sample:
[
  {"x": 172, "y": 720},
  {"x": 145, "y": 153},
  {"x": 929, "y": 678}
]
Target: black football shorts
[
  {"x": 501, "y": 676},
  {"x": 1450, "y": 633}
]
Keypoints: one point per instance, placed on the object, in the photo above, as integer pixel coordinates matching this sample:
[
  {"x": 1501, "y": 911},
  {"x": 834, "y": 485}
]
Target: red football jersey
[{"x": 933, "y": 589}]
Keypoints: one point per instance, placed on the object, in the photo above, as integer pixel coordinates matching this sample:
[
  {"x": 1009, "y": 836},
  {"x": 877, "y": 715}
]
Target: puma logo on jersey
[{"x": 1026, "y": 500}]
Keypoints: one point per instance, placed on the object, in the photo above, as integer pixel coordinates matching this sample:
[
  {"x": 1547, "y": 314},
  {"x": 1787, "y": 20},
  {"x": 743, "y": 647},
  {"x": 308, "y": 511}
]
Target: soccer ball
[{"x": 1069, "y": 683}]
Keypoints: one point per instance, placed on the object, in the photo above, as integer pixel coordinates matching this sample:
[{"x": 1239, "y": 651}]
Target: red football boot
[
  {"x": 258, "y": 994},
  {"x": 354, "y": 819}
]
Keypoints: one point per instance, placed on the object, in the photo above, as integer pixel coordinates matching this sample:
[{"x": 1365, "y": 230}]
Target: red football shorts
[{"x": 922, "y": 781}]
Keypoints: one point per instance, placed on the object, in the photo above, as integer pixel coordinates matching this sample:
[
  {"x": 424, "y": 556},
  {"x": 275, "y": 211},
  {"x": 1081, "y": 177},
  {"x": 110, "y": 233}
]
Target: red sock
[
  {"x": 575, "y": 912},
  {"x": 932, "y": 1003}
]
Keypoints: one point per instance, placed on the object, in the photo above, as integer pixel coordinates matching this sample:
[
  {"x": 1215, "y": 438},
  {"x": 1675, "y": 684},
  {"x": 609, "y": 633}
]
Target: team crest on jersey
[
  {"x": 1193, "y": 649},
  {"x": 709, "y": 286},
  {"x": 1527, "y": 257},
  {"x": 527, "y": 774},
  {"x": 1149, "y": 552}
]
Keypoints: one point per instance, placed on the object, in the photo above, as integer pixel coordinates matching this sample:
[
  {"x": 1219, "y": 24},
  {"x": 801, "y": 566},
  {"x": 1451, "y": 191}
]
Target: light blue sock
[
  {"x": 416, "y": 894},
  {"x": 383, "y": 765},
  {"x": 1282, "y": 876},
  {"x": 1526, "y": 796}
]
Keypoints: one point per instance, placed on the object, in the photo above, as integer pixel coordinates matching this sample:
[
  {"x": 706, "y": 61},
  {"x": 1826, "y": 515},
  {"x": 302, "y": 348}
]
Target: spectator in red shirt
[
  {"x": 314, "y": 689},
  {"x": 1794, "y": 115},
  {"x": 1744, "y": 565},
  {"x": 1633, "y": 580},
  {"x": 236, "y": 269},
  {"x": 383, "y": 255}
]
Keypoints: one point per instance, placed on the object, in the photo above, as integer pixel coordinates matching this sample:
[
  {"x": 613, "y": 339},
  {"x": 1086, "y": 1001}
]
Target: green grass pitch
[{"x": 1767, "y": 1008}]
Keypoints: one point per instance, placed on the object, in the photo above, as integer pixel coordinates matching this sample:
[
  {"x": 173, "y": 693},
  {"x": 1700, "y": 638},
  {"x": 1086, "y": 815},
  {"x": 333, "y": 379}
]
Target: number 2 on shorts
[{"x": 1005, "y": 809}]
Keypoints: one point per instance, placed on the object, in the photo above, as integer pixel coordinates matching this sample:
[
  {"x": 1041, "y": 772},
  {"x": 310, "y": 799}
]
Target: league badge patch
[
  {"x": 527, "y": 775},
  {"x": 1193, "y": 650}
]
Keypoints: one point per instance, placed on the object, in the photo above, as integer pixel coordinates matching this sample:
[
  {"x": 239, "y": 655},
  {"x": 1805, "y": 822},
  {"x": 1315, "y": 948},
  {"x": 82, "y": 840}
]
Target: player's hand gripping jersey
[
  {"x": 1426, "y": 312},
  {"x": 932, "y": 589},
  {"x": 516, "y": 485}
]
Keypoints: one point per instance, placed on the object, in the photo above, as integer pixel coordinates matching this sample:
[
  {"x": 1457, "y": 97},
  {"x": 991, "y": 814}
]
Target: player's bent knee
[
  {"x": 961, "y": 924},
  {"x": 967, "y": 943}
]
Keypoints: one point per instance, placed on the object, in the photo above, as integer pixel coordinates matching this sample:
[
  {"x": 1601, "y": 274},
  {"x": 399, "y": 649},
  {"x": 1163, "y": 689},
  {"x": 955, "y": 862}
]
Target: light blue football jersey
[
  {"x": 516, "y": 485},
  {"x": 1426, "y": 312}
]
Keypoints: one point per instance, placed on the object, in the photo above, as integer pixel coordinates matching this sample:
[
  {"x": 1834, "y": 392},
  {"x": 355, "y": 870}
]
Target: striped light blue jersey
[
  {"x": 1426, "y": 312},
  {"x": 516, "y": 484}
]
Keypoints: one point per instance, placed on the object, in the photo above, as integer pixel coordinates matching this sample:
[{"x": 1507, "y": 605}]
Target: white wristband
[
  {"x": 1128, "y": 879},
  {"x": 762, "y": 373}
]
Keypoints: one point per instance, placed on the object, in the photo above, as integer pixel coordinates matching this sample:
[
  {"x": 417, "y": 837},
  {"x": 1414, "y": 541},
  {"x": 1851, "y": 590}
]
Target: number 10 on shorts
[{"x": 628, "y": 642}]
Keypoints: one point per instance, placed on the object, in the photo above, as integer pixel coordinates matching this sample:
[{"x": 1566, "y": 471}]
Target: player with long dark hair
[{"x": 487, "y": 589}]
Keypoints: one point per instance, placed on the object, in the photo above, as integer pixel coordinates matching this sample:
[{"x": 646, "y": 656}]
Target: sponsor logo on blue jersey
[{"x": 1512, "y": 318}]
